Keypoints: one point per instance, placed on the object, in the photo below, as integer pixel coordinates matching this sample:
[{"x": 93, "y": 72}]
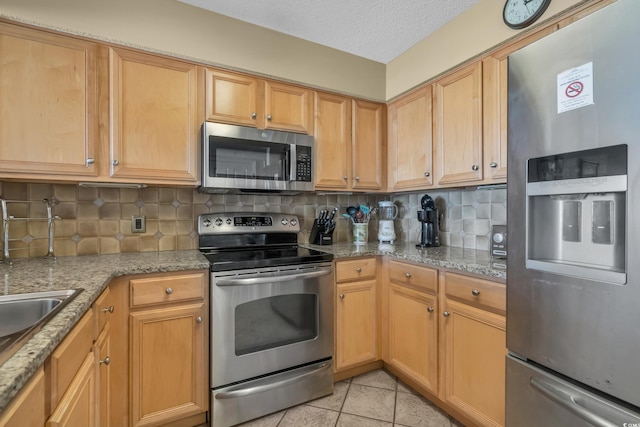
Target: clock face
[{"x": 522, "y": 13}]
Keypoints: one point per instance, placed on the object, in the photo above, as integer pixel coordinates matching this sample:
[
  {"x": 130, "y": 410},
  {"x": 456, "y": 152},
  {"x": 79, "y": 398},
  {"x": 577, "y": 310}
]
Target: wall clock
[{"x": 519, "y": 14}]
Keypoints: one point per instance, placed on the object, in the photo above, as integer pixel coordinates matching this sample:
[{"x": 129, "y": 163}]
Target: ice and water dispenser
[{"x": 576, "y": 214}]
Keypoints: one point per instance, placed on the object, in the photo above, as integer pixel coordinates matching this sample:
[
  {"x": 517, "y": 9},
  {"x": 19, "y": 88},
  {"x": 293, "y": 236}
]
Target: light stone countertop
[
  {"x": 92, "y": 274},
  {"x": 469, "y": 261}
]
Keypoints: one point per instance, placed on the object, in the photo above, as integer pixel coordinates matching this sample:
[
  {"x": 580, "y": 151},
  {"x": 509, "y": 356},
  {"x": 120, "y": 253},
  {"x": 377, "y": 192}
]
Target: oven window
[
  {"x": 230, "y": 158},
  {"x": 275, "y": 321}
]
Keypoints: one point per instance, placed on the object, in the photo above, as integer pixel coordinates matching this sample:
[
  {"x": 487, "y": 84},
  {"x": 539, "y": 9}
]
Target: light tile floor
[{"x": 374, "y": 399}]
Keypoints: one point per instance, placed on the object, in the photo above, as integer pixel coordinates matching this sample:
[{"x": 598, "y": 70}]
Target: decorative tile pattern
[{"x": 467, "y": 215}]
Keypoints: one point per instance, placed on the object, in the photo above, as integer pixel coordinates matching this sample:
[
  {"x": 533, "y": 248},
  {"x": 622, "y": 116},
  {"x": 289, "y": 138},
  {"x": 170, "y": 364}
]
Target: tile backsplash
[{"x": 98, "y": 220}]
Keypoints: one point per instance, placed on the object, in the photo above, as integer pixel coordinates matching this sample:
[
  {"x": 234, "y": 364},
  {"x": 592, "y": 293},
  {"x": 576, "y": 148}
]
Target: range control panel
[{"x": 222, "y": 223}]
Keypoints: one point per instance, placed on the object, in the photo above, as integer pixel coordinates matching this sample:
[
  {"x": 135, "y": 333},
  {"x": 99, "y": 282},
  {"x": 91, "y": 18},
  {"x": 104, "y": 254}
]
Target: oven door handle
[
  {"x": 312, "y": 370},
  {"x": 257, "y": 280}
]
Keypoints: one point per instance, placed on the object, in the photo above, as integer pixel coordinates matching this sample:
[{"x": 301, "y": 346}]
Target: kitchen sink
[{"x": 22, "y": 315}]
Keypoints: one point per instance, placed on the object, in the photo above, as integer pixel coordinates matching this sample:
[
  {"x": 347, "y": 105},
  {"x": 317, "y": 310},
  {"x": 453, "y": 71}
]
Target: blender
[{"x": 387, "y": 212}]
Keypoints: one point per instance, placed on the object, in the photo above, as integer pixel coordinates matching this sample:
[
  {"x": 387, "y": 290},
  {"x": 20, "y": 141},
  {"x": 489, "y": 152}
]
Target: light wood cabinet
[
  {"x": 413, "y": 335},
  {"x": 79, "y": 372},
  {"x": 473, "y": 343},
  {"x": 410, "y": 142},
  {"x": 287, "y": 107},
  {"x": 244, "y": 100},
  {"x": 411, "y": 310},
  {"x": 155, "y": 118},
  {"x": 169, "y": 352},
  {"x": 367, "y": 139},
  {"x": 356, "y": 309},
  {"x": 28, "y": 407},
  {"x": 48, "y": 105},
  {"x": 232, "y": 98},
  {"x": 457, "y": 122},
  {"x": 349, "y": 143},
  {"x": 332, "y": 147},
  {"x": 78, "y": 405}
]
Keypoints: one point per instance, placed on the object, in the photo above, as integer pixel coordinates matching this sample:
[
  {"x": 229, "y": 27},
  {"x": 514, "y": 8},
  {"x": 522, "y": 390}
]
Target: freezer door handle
[{"x": 576, "y": 404}]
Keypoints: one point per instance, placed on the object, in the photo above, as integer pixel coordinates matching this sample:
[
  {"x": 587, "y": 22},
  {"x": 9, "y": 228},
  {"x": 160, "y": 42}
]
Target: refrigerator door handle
[{"x": 576, "y": 404}]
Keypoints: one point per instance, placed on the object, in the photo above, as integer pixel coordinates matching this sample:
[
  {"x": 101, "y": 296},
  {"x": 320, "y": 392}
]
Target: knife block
[{"x": 318, "y": 237}]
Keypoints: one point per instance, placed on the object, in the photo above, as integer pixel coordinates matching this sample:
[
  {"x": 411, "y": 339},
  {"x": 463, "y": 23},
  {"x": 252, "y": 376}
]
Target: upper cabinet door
[
  {"x": 333, "y": 141},
  {"x": 232, "y": 98},
  {"x": 458, "y": 126},
  {"x": 155, "y": 118},
  {"x": 287, "y": 108},
  {"x": 411, "y": 141},
  {"x": 369, "y": 127},
  {"x": 48, "y": 104}
]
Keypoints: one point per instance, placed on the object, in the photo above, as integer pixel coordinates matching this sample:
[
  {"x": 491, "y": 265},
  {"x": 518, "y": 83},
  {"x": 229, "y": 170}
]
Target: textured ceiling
[{"x": 376, "y": 29}]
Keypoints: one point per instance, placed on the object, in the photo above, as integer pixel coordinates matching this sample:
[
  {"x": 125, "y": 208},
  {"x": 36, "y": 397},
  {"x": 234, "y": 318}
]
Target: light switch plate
[{"x": 138, "y": 224}]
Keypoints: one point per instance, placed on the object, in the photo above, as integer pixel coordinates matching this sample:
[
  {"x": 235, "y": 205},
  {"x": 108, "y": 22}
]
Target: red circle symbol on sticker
[{"x": 574, "y": 89}]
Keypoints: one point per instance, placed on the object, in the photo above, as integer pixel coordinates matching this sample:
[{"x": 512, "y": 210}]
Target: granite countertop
[
  {"x": 92, "y": 274},
  {"x": 464, "y": 260}
]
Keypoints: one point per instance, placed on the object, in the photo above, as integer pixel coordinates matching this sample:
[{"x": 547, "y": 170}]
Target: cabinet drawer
[
  {"x": 478, "y": 292},
  {"x": 166, "y": 289},
  {"x": 102, "y": 309},
  {"x": 413, "y": 275},
  {"x": 363, "y": 268},
  {"x": 67, "y": 358}
]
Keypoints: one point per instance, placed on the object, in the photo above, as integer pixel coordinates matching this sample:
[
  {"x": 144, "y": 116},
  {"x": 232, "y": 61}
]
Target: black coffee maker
[{"x": 428, "y": 218}]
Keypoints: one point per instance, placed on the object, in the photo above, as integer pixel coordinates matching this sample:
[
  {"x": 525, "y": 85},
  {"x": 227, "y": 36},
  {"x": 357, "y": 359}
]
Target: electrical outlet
[{"x": 138, "y": 224}]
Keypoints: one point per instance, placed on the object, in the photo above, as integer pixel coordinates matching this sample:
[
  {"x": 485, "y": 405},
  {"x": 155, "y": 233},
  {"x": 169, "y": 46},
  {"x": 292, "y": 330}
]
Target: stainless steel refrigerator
[{"x": 573, "y": 269}]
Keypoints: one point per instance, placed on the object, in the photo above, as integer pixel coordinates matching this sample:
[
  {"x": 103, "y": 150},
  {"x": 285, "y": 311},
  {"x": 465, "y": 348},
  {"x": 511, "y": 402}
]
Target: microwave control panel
[{"x": 303, "y": 163}]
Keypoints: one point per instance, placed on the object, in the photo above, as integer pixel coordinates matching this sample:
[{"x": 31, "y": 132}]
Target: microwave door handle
[
  {"x": 256, "y": 280},
  {"x": 292, "y": 162}
]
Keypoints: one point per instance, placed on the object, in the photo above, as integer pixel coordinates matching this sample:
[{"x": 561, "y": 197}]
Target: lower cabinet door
[
  {"x": 413, "y": 335},
  {"x": 356, "y": 327},
  {"x": 168, "y": 366},
  {"x": 77, "y": 407},
  {"x": 474, "y": 362}
]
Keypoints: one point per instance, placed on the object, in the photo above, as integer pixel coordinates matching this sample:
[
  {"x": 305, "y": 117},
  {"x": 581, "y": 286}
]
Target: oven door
[{"x": 269, "y": 319}]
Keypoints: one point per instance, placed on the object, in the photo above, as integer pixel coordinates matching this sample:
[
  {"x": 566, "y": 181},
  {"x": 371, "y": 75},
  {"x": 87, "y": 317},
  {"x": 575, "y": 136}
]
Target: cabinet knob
[
  {"x": 357, "y": 178},
  {"x": 407, "y": 275},
  {"x": 493, "y": 165},
  {"x": 269, "y": 117},
  {"x": 254, "y": 115},
  {"x": 475, "y": 167},
  {"x": 475, "y": 292},
  {"x": 169, "y": 291},
  {"x": 90, "y": 161},
  {"x": 359, "y": 270},
  {"x": 345, "y": 177},
  {"x": 341, "y": 296},
  {"x": 115, "y": 163},
  {"x": 445, "y": 314},
  {"x": 430, "y": 309},
  {"x": 105, "y": 361},
  {"x": 108, "y": 309},
  {"x": 199, "y": 319},
  {"x": 427, "y": 174}
]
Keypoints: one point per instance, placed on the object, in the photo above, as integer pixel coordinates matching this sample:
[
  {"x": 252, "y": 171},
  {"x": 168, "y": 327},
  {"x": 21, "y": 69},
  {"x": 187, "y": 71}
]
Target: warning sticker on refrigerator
[{"x": 575, "y": 88}]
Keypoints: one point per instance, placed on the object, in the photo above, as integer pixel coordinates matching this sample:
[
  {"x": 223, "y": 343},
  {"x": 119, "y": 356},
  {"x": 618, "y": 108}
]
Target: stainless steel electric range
[{"x": 271, "y": 315}]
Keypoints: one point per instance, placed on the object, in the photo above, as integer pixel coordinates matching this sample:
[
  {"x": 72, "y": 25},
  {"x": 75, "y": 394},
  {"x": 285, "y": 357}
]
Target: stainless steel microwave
[{"x": 247, "y": 159}]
